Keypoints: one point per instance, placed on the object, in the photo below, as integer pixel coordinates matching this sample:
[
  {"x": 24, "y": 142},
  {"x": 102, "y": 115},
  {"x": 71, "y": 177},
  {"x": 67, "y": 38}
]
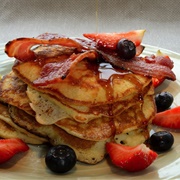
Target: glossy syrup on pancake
[{"x": 106, "y": 74}]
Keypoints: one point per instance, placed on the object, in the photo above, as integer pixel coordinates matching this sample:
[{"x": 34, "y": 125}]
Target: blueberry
[
  {"x": 163, "y": 101},
  {"x": 60, "y": 159},
  {"x": 161, "y": 141},
  {"x": 126, "y": 49}
]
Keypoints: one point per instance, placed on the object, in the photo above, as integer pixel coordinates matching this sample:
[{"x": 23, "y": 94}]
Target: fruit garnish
[
  {"x": 130, "y": 158},
  {"x": 110, "y": 40},
  {"x": 157, "y": 82},
  {"x": 163, "y": 101},
  {"x": 10, "y": 147},
  {"x": 168, "y": 119},
  {"x": 60, "y": 159},
  {"x": 126, "y": 49},
  {"x": 161, "y": 141}
]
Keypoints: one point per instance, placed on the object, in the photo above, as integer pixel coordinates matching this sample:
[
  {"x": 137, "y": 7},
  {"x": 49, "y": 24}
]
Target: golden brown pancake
[
  {"x": 85, "y": 83},
  {"x": 135, "y": 117},
  {"x": 96, "y": 130},
  {"x": 83, "y": 95},
  {"x": 13, "y": 91},
  {"x": 49, "y": 110},
  {"x": 90, "y": 152},
  {"x": 8, "y": 129},
  {"x": 93, "y": 129},
  {"x": 86, "y": 131}
]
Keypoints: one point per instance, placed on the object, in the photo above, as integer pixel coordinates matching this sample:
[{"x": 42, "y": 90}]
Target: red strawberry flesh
[
  {"x": 168, "y": 119},
  {"x": 157, "y": 82},
  {"x": 129, "y": 158},
  {"x": 10, "y": 147},
  {"x": 110, "y": 40}
]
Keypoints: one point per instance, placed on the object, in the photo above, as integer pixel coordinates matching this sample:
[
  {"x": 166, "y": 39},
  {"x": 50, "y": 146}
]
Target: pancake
[
  {"x": 90, "y": 152},
  {"x": 13, "y": 91},
  {"x": 49, "y": 110},
  {"x": 92, "y": 104},
  {"x": 132, "y": 137},
  {"x": 135, "y": 117},
  {"x": 133, "y": 121},
  {"x": 96, "y": 130},
  {"x": 8, "y": 129},
  {"x": 86, "y": 84},
  {"x": 91, "y": 90},
  {"x": 88, "y": 130}
]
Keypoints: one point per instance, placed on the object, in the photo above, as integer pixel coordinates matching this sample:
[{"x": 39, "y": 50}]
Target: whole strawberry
[{"x": 130, "y": 158}]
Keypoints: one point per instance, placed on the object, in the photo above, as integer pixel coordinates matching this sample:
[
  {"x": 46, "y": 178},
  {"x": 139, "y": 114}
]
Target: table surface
[{"x": 160, "y": 18}]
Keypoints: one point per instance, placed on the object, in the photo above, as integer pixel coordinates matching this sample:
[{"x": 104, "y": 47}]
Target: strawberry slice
[
  {"x": 10, "y": 147},
  {"x": 110, "y": 40},
  {"x": 157, "y": 82},
  {"x": 168, "y": 119},
  {"x": 130, "y": 158}
]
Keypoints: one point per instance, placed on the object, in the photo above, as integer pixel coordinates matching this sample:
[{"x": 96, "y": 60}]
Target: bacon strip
[
  {"x": 157, "y": 67},
  {"x": 21, "y": 48},
  {"x": 57, "y": 71}
]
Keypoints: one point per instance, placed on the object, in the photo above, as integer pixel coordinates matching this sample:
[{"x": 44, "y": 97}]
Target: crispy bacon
[
  {"x": 57, "y": 71},
  {"x": 21, "y": 48},
  {"x": 153, "y": 66}
]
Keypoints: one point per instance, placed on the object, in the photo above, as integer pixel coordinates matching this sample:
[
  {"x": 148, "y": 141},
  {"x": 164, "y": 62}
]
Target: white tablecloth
[{"x": 29, "y": 18}]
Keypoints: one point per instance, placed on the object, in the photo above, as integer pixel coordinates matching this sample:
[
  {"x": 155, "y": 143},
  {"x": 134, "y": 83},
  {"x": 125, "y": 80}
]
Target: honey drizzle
[
  {"x": 105, "y": 75},
  {"x": 97, "y": 18}
]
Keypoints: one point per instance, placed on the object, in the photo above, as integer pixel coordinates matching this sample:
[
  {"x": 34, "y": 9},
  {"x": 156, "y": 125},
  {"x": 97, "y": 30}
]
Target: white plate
[{"x": 31, "y": 165}]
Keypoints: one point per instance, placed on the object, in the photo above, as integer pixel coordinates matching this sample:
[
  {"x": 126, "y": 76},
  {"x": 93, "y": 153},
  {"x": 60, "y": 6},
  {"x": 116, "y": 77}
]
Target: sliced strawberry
[
  {"x": 157, "y": 82},
  {"x": 110, "y": 40},
  {"x": 168, "y": 119},
  {"x": 10, "y": 147},
  {"x": 130, "y": 158}
]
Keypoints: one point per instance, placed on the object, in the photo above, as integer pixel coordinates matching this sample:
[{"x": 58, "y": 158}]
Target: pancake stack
[{"x": 94, "y": 104}]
